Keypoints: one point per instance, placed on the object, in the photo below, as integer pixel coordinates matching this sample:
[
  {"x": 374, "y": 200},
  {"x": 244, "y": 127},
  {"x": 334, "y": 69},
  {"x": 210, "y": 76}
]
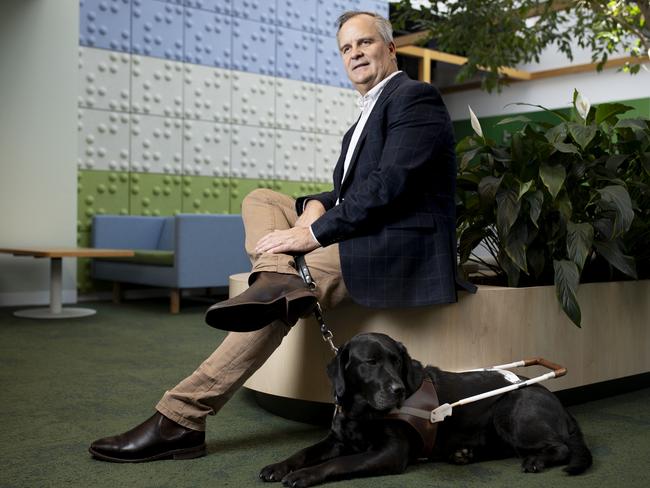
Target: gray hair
[{"x": 383, "y": 25}]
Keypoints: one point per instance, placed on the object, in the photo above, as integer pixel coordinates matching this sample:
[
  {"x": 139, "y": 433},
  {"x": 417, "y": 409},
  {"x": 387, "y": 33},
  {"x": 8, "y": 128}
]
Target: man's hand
[{"x": 296, "y": 240}]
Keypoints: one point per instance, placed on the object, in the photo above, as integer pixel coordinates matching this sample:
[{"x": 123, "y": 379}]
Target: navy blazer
[{"x": 396, "y": 221}]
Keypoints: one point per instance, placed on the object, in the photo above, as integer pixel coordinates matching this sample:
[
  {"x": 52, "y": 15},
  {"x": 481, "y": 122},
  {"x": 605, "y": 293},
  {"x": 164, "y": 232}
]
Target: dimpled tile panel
[
  {"x": 206, "y": 93},
  {"x": 252, "y": 151},
  {"x": 103, "y": 79},
  {"x": 220, "y": 6},
  {"x": 207, "y": 38},
  {"x": 297, "y": 14},
  {"x": 294, "y": 156},
  {"x": 239, "y": 188},
  {"x": 296, "y": 55},
  {"x": 155, "y": 194},
  {"x": 329, "y": 66},
  {"x": 327, "y": 12},
  {"x": 203, "y": 194},
  {"x": 157, "y": 29},
  {"x": 295, "y": 105},
  {"x": 294, "y": 189},
  {"x": 253, "y": 45},
  {"x": 206, "y": 148},
  {"x": 100, "y": 193},
  {"x": 156, "y": 144},
  {"x": 328, "y": 149},
  {"x": 258, "y": 10},
  {"x": 335, "y": 110},
  {"x": 102, "y": 140},
  {"x": 156, "y": 86},
  {"x": 253, "y": 99},
  {"x": 105, "y": 24}
]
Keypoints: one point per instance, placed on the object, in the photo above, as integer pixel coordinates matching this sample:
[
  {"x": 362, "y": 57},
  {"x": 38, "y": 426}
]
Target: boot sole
[
  {"x": 247, "y": 317},
  {"x": 176, "y": 454}
]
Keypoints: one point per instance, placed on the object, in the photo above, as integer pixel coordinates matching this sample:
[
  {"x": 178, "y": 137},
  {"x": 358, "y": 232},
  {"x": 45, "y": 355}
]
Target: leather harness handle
[{"x": 556, "y": 368}]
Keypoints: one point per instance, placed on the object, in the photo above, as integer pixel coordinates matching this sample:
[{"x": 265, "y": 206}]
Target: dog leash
[{"x": 318, "y": 311}]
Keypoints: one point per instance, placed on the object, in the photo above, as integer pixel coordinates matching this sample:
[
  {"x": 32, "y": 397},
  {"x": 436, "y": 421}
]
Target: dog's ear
[
  {"x": 412, "y": 371},
  {"x": 336, "y": 372}
]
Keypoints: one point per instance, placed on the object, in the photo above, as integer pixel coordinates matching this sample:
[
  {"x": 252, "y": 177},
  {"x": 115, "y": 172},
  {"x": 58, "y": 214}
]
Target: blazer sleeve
[
  {"x": 417, "y": 120},
  {"x": 328, "y": 199}
]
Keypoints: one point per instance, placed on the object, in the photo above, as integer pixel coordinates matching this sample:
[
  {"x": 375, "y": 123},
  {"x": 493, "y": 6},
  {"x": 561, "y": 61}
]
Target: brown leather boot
[
  {"x": 156, "y": 438},
  {"x": 272, "y": 296}
]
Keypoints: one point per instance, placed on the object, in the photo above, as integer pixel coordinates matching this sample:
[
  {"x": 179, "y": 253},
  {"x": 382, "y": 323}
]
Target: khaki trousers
[{"x": 240, "y": 354}]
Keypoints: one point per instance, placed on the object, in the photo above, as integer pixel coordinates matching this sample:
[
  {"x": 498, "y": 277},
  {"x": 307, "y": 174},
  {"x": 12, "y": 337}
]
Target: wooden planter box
[{"x": 496, "y": 325}]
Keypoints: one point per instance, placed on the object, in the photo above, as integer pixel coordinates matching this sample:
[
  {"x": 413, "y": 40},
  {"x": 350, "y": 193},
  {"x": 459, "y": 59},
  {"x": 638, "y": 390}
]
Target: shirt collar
[{"x": 365, "y": 101}]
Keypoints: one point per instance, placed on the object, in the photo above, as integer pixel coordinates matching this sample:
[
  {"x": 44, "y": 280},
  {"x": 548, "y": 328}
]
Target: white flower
[
  {"x": 582, "y": 106},
  {"x": 476, "y": 125}
]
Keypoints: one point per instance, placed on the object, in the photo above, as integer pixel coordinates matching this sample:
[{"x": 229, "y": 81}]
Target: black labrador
[{"x": 372, "y": 374}]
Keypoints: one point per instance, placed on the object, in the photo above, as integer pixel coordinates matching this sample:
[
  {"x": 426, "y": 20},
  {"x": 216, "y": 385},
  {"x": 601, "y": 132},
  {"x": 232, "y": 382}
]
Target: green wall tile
[
  {"x": 205, "y": 194},
  {"x": 155, "y": 194},
  {"x": 100, "y": 192},
  {"x": 239, "y": 188}
]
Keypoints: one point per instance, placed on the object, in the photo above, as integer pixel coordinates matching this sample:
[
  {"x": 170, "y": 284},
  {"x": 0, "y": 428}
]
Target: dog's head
[{"x": 373, "y": 372}]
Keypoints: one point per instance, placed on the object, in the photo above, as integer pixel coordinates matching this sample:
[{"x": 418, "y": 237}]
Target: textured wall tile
[
  {"x": 102, "y": 140},
  {"x": 260, "y": 11},
  {"x": 154, "y": 194},
  {"x": 328, "y": 149},
  {"x": 295, "y": 105},
  {"x": 296, "y": 55},
  {"x": 157, "y": 29},
  {"x": 335, "y": 109},
  {"x": 253, "y": 99},
  {"x": 294, "y": 156},
  {"x": 298, "y": 14},
  {"x": 252, "y": 152},
  {"x": 156, "y": 144},
  {"x": 157, "y": 86},
  {"x": 202, "y": 194},
  {"x": 105, "y": 24},
  {"x": 206, "y": 93},
  {"x": 253, "y": 45},
  {"x": 208, "y": 38},
  {"x": 206, "y": 149},
  {"x": 103, "y": 79}
]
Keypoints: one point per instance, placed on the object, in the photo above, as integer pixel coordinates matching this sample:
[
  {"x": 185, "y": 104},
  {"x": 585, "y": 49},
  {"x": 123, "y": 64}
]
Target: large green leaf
[
  {"x": 634, "y": 124},
  {"x": 512, "y": 271},
  {"x": 510, "y": 120},
  {"x": 524, "y": 187},
  {"x": 614, "y": 161},
  {"x": 557, "y": 133},
  {"x": 508, "y": 206},
  {"x": 564, "y": 206},
  {"x": 535, "y": 201},
  {"x": 467, "y": 157},
  {"x": 611, "y": 251},
  {"x": 469, "y": 239},
  {"x": 567, "y": 279},
  {"x": 582, "y": 134},
  {"x": 605, "y": 111},
  {"x": 516, "y": 246},
  {"x": 579, "y": 238},
  {"x": 487, "y": 188},
  {"x": 536, "y": 260},
  {"x": 619, "y": 198},
  {"x": 553, "y": 177},
  {"x": 566, "y": 148}
]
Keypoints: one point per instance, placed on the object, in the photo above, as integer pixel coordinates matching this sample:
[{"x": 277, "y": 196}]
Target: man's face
[{"x": 366, "y": 57}]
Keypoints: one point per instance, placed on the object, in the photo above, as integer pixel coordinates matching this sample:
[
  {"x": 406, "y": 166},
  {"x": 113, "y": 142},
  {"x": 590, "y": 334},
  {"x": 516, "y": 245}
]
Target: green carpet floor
[{"x": 65, "y": 383}]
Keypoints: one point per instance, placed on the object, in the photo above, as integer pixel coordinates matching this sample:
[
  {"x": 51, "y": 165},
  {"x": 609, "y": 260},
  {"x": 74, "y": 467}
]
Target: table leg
[
  {"x": 55, "y": 310},
  {"x": 56, "y": 285}
]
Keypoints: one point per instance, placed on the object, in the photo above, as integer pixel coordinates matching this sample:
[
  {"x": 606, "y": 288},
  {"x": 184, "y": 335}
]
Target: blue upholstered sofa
[{"x": 184, "y": 251}]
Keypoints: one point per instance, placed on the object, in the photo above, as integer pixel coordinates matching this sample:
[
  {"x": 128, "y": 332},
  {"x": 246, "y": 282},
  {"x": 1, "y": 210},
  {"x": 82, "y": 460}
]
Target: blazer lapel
[{"x": 385, "y": 93}]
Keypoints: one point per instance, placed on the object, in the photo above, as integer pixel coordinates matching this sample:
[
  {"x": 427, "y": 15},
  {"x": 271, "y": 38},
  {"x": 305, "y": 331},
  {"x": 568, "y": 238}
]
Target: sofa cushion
[{"x": 152, "y": 257}]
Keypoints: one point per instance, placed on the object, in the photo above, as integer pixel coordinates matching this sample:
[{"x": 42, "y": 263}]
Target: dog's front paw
[
  {"x": 301, "y": 479},
  {"x": 462, "y": 456},
  {"x": 274, "y": 472},
  {"x": 532, "y": 464}
]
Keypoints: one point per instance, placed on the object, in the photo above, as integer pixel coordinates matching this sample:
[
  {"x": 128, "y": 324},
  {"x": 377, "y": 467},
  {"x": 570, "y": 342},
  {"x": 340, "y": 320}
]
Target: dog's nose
[{"x": 396, "y": 389}]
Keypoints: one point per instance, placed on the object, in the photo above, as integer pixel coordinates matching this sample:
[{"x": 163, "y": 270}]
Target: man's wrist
[{"x": 313, "y": 236}]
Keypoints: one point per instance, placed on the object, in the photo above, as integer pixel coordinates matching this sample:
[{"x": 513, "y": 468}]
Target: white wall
[{"x": 38, "y": 176}]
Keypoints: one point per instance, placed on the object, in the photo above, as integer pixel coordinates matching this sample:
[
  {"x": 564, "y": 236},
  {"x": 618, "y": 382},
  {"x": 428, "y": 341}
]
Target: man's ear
[
  {"x": 412, "y": 371},
  {"x": 336, "y": 372}
]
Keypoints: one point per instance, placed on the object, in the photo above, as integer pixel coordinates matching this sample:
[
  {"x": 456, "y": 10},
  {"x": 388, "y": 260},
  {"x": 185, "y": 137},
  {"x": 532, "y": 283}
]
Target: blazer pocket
[{"x": 417, "y": 221}]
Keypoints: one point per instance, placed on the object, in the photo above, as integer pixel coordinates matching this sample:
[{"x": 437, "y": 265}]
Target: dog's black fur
[{"x": 373, "y": 374}]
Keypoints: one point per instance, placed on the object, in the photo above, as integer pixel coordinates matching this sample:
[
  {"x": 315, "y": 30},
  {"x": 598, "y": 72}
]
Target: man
[{"x": 391, "y": 210}]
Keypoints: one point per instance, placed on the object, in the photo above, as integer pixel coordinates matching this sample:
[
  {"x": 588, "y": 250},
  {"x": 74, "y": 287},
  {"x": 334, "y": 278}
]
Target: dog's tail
[{"x": 580, "y": 456}]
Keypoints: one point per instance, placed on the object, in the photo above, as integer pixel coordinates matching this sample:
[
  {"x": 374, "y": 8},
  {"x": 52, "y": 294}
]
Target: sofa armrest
[
  {"x": 126, "y": 231},
  {"x": 209, "y": 248}
]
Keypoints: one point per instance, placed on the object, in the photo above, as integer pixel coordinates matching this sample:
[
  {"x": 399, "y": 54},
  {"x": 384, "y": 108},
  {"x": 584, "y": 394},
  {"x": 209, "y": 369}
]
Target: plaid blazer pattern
[{"x": 396, "y": 223}]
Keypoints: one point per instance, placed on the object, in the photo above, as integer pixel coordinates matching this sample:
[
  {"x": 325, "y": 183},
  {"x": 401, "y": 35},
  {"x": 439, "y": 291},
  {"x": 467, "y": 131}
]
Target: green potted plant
[{"x": 560, "y": 203}]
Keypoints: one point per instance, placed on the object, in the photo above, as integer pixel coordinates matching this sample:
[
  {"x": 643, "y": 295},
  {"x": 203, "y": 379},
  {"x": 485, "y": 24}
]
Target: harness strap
[{"x": 416, "y": 411}]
